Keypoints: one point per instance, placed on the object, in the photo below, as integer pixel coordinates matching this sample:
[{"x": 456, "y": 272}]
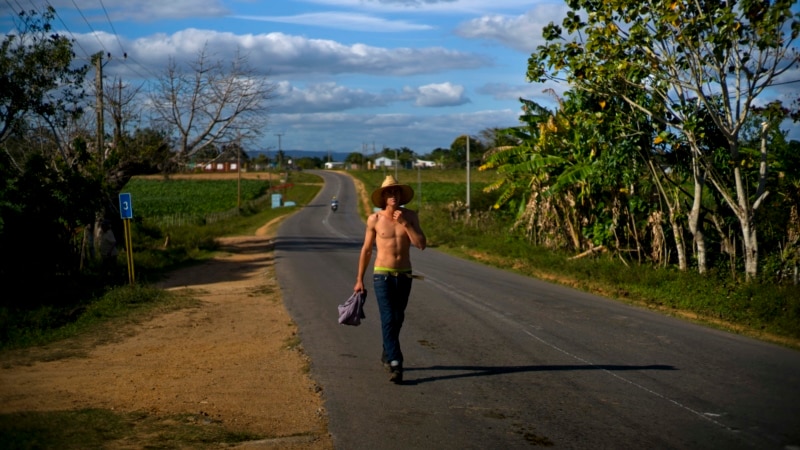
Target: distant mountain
[{"x": 323, "y": 155}]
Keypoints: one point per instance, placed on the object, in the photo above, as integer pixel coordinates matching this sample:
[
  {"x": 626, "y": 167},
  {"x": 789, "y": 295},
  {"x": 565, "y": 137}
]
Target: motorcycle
[{"x": 334, "y": 205}]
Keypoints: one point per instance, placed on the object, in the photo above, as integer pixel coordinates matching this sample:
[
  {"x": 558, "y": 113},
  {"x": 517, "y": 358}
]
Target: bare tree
[
  {"x": 121, "y": 101},
  {"x": 213, "y": 103}
]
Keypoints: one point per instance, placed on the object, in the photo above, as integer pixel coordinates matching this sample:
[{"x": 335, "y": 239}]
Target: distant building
[
  {"x": 220, "y": 166},
  {"x": 424, "y": 164},
  {"x": 384, "y": 162},
  {"x": 334, "y": 165},
  {"x": 228, "y": 160}
]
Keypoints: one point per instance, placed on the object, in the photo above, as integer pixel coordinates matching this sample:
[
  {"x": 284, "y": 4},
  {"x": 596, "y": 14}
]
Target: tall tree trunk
[
  {"x": 673, "y": 206},
  {"x": 695, "y": 227},
  {"x": 750, "y": 241},
  {"x": 658, "y": 245},
  {"x": 677, "y": 231},
  {"x": 746, "y": 214},
  {"x": 726, "y": 245},
  {"x": 741, "y": 205}
]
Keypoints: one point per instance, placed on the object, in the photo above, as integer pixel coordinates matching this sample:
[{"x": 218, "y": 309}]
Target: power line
[
  {"x": 88, "y": 55},
  {"x": 32, "y": 5},
  {"x": 116, "y": 35},
  {"x": 37, "y": 9},
  {"x": 21, "y": 9},
  {"x": 126, "y": 57},
  {"x": 144, "y": 67},
  {"x": 90, "y": 27},
  {"x": 785, "y": 82}
]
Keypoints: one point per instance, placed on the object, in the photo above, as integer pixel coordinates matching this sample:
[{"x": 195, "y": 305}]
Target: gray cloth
[{"x": 352, "y": 311}]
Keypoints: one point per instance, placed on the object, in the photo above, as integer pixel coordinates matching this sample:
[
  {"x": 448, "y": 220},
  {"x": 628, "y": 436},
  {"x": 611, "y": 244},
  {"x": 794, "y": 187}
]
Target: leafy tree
[
  {"x": 50, "y": 188},
  {"x": 37, "y": 78},
  {"x": 145, "y": 151},
  {"x": 356, "y": 158},
  {"x": 207, "y": 154},
  {"x": 43, "y": 208},
  {"x": 496, "y": 137},
  {"x": 404, "y": 155},
  {"x": 570, "y": 179},
  {"x": 261, "y": 160},
  {"x": 308, "y": 162},
  {"x": 458, "y": 149},
  {"x": 280, "y": 159},
  {"x": 442, "y": 156},
  {"x": 234, "y": 152},
  {"x": 709, "y": 55}
]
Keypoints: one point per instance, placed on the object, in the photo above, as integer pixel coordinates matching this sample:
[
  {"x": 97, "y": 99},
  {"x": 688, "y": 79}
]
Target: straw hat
[{"x": 406, "y": 193}]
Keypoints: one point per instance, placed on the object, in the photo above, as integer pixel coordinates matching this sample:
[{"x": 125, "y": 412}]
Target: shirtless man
[{"x": 392, "y": 231}]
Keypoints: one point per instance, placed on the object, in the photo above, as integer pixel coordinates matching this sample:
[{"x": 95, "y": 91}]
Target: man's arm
[
  {"x": 366, "y": 252},
  {"x": 410, "y": 222}
]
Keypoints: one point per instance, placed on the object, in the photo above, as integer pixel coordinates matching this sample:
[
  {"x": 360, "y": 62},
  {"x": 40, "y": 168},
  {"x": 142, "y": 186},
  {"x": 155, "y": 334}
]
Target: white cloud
[
  {"x": 427, "y": 6},
  {"x": 280, "y": 54},
  {"x": 331, "y": 85},
  {"x": 344, "y": 21},
  {"x": 352, "y": 132},
  {"x": 546, "y": 94},
  {"x": 523, "y": 33},
  {"x": 332, "y": 97},
  {"x": 322, "y": 97},
  {"x": 171, "y": 9},
  {"x": 437, "y": 95},
  {"x": 137, "y": 10}
]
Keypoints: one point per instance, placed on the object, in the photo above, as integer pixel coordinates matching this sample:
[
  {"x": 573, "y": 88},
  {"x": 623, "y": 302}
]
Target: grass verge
[
  {"x": 759, "y": 309},
  {"x": 100, "y": 428},
  {"x": 78, "y": 323}
]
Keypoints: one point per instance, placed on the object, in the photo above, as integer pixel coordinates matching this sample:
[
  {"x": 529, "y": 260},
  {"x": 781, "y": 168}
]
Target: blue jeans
[{"x": 392, "y": 294}]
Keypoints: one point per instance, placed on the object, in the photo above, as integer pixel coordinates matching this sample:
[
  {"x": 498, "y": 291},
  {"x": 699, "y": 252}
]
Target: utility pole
[
  {"x": 280, "y": 155},
  {"x": 468, "y": 213},
  {"x": 118, "y": 124},
  {"x": 419, "y": 184},
  {"x": 239, "y": 172},
  {"x": 98, "y": 80}
]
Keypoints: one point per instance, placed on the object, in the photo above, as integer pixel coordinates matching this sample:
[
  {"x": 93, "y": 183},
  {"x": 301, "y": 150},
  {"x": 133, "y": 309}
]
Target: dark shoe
[{"x": 396, "y": 372}]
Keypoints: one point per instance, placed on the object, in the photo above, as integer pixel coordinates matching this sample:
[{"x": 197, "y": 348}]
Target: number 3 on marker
[{"x": 125, "y": 206}]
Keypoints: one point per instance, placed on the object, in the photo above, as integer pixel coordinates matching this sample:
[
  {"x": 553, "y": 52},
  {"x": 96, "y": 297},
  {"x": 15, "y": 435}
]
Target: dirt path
[{"x": 233, "y": 359}]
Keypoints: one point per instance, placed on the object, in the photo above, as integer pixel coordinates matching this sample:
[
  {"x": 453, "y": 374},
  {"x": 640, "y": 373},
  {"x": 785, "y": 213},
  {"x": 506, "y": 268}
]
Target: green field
[{"x": 154, "y": 198}]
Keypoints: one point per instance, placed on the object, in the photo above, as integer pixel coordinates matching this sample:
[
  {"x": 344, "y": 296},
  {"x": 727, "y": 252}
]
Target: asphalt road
[{"x": 495, "y": 360}]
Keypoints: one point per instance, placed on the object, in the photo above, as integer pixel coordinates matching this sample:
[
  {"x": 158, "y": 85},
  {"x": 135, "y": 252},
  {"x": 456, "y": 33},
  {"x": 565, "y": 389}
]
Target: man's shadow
[{"x": 484, "y": 371}]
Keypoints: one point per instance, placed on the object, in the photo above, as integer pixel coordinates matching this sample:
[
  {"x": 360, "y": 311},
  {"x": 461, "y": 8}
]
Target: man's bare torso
[{"x": 392, "y": 243}]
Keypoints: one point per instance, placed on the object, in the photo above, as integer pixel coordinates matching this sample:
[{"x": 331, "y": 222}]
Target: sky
[{"x": 349, "y": 75}]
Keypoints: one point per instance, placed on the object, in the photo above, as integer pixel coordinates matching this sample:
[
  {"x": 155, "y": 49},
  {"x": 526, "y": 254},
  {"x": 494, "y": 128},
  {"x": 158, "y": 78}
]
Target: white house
[
  {"x": 424, "y": 164},
  {"x": 384, "y": 162},
  {"x": 334, "y": 165}
]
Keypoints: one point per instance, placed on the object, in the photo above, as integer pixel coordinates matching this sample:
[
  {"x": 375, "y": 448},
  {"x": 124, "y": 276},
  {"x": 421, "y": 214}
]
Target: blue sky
[{"x": 348, "y": 73}]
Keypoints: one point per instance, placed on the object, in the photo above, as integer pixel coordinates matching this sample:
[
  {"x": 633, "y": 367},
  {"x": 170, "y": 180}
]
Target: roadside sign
[
  {"x": 125, "y": 206},
  {"x": 126, "y": 213}
]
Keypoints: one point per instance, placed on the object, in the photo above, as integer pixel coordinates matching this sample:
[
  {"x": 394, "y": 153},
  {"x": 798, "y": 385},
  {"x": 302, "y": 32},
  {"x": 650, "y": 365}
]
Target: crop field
[{"x": 157, "y": 198}]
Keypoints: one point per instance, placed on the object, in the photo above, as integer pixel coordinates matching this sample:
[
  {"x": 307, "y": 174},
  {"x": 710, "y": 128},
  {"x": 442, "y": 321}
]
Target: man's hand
[{"x": 398, "y": 217}]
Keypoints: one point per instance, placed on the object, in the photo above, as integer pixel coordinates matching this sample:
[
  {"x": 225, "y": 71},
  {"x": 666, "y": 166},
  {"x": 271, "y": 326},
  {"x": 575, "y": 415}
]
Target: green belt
[{"x": 397, "y": 274}]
